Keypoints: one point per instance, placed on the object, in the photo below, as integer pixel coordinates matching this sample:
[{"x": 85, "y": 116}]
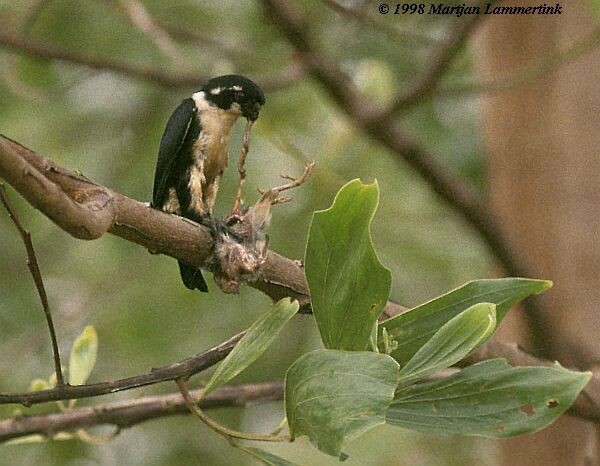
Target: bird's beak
[{"x": 251, "y": 111}]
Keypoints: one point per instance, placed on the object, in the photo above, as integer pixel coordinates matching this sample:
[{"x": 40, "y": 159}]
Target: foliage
[
  {"x": 256, "y": 340},
  {"x": 332, "y": 396},
  {"x": 108, "y": 126},
  {"x": 490, "y": 399},
  {"x": 344, "y": 274}
]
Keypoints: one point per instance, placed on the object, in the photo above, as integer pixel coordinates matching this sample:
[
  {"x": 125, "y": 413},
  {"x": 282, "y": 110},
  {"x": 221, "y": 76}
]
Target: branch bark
[
  {"x": 123, "y": 414},
  {"x": 86, "y": 210}
]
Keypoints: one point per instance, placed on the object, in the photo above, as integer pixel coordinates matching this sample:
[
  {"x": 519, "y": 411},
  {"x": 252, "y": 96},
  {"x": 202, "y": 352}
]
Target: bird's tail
[{"x": 192, "y": 277}]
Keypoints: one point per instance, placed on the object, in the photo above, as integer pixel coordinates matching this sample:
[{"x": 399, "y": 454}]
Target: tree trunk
[{"x": 542, "y": 143}]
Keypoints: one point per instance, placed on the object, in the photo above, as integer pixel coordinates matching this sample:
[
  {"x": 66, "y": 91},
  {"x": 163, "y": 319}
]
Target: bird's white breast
[{"x": 210, "y": 150}]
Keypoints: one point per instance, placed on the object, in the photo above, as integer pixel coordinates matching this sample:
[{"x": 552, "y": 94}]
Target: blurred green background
[{"x": 108, "y": 126}]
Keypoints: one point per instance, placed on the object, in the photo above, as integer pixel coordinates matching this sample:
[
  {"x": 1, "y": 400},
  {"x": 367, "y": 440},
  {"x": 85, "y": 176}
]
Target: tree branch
[
  {"x": 427, "y": 80},
  {"x": 389, "y": 133},
  {"x": 527, "y": 74},
  {"x": 169, "y": 79},
  {"x": 185, "y": 368},
  {"x": 123, "y": 414},
  {"x": 128, "y": 413},
  {"x": 87, "y": 210},
  {"x": 34, "y": 269},
  {"x": 415, "y": 37}
]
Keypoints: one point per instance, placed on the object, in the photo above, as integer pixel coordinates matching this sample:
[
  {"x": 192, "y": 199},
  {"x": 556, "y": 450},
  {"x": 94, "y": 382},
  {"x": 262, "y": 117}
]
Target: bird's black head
[{"x": 233, "y": 91}]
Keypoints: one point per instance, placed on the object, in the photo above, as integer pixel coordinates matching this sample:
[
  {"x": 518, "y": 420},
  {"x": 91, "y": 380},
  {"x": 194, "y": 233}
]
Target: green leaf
[
  {"x": 490, "y": 399},
  {"x": 38, "y": 384},
  {"x": 455, "y": 340},
  {"x": 413, "y": 328},
  {"x": 333, "y": 396},
  {"x": 348, "y": 285},
  {"x": 83, "y": 356},
  {"x": 264, "y": 457},
  {"x": 257, "y": 339}
]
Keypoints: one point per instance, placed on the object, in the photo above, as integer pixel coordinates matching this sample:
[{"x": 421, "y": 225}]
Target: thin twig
[
  {"x": 295, "y": 182},
  {"x": 413, "y": 36},
  {"x": 528, "y": 74},
  {"x": 241, "y": 168},
  {"x": 45, "y": 50},
  {"x": 229, "y": 434},
  {"x": 186, "y": 368},
  {"x": 272, "y": 196},
  {"x": 427, "y": 80},
  {"x": 136, "y": 14},
  {"x": 201, "y": 37},
  {"x": 32, "y": 264}
]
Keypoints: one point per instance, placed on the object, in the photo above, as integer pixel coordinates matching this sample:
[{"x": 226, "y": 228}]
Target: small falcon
[{"x": 194, "y": 150}]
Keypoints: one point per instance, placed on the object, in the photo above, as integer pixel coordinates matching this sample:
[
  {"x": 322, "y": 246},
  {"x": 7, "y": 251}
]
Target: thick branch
[
  {"x": 123, "y": 414},
  {"x": 87, "y": 210},
  {"x": 86, "y": 217}
]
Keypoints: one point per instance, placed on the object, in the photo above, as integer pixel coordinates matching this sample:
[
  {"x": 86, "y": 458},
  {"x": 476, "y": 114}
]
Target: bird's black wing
[{"x": 173, "y": 138}]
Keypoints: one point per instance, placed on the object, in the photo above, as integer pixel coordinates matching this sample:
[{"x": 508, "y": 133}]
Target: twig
[
  {"x": 185, "y": 368},
  {"x": 138, "y": 16},
  {"x": 413, "y": 36},
  {"x": 295, "y": 182},
  {"x": 229, "y": 434},
  {"x": 528, "y": 74},
  {"x": 33, "y": 267},
  {"x": 427, "y": 80},
  {"x": 164, "y": 78},
  {"x": 127, "y": 413},
  {"x": 241, "y": 168},
  {"x": 187, "y": 34}
]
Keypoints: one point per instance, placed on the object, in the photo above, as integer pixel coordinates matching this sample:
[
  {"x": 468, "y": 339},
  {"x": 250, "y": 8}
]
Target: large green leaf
[
  {"x": 348, "y": 285},
  {"x": 413, "y": 328},
  {"x": 455, "y": 340},
  {"x": 490, "y": 399},
  {"x": 83, "y": 356},
  {"x": 333, "y": 396},
  {"x": 257, "y": 339}
]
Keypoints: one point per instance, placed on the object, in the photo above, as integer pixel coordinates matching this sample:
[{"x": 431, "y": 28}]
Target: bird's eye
[{"x": 238, "y": 95}]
